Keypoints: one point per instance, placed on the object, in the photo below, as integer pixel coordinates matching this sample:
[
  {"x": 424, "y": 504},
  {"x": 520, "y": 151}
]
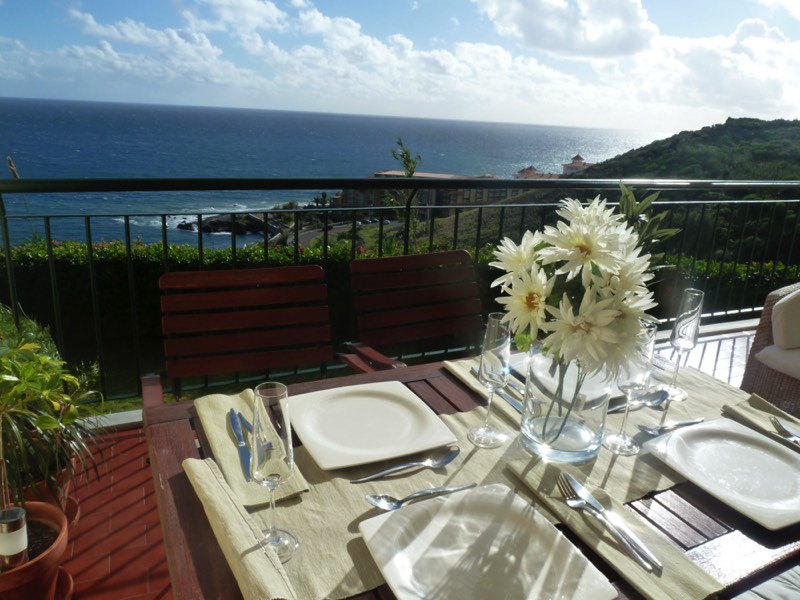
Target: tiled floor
[{"x": 116, "y": 550}]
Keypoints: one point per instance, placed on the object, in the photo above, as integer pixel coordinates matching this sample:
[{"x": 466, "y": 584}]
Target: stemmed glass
[
  {"x": 493, "y": 374},
  {"x": 684, "y": 335},
  {"x": 634, "y": 378},
  {"x": 272, "y": 456}
]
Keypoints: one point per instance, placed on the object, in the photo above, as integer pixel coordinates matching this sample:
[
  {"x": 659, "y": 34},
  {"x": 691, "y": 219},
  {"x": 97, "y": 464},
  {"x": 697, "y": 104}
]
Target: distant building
[
  {"x": 577, "y": 164},
  {"x": 530, "y": 172},
  {"x": 429, "y": 197},
  {"x": 449, "y": 197}
]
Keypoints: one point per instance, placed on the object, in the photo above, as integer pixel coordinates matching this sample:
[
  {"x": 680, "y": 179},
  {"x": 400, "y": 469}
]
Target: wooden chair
[
  {"x": 780, "y": 389},
  {"x": 240, "y": 320},
  {"x": 413, "y": 305}
]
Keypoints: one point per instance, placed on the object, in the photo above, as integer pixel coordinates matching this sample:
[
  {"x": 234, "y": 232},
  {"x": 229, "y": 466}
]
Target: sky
[{"x": 651, "y": 65}]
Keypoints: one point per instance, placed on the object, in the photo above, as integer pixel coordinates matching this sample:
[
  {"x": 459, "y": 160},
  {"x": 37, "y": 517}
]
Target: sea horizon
[
  {"x": 326, "y": 113},
  {"x": 81, "y": 139}
]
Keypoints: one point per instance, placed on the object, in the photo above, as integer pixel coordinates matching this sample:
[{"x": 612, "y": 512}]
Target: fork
[
  {"x": 783, "y": 432},
  {"x": 574, "y": 501}
]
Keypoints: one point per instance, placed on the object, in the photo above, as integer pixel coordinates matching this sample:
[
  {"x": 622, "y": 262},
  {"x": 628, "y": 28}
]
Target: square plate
[
  {"x": 360, "y": 424},
  {"x": 486, "y": 542},
  {"x": 749, "y": 472}
]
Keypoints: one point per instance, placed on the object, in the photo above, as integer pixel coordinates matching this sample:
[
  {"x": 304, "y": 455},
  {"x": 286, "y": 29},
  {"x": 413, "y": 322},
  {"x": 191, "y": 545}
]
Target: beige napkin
[
  {"x": 257, "y": 569},
  {"x": 755, "y": 413},
  {"x": 680, "y": 577},
  {"x": 213, "y": 411},
  {"x": 462, "y": 370}
]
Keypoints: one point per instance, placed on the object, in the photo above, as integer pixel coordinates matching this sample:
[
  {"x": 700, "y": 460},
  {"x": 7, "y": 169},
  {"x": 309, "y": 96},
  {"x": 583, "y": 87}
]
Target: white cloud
[
  {"x": 304, "y": 59},
  {"x": 589, "y": 28},
  {"x": 790, "y": 6},
  {"x": 247, "y": 15},
  {"x": 755, "y": 71}
]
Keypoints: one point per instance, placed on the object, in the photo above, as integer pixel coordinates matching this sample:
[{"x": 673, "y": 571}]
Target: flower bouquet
[{"x": 577, "y": 293}]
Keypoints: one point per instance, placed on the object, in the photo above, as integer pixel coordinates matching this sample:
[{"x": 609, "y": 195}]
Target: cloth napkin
[
  {"x": 462, "y": 369},
  {"x": 755, "y": 413},
  {"x": 256, "y": 567},
  {"x": 680, "y": 577},
  {"x": 213, "y": 411}
]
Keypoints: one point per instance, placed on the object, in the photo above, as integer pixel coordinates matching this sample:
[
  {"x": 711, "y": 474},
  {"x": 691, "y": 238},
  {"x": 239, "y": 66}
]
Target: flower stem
[{"x": 562, "y": 373}]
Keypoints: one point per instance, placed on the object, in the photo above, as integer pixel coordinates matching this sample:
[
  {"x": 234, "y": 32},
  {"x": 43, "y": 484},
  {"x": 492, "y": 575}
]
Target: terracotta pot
[
  {"x": 41, "y": 493},
  {"x": 38, "y": 578},
  {"x": 65, "y": 586},
  {"x": 67, "y": 501}
]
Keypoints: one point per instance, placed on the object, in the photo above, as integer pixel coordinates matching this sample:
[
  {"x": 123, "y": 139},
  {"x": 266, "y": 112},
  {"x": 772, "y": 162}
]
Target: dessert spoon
[
  {"x": 432, "y": 463},
  {"x": 668, "y": 426},
  {"x": 386, "y": 502}
]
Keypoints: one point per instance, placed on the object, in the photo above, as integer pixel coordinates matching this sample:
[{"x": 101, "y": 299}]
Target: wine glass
[
  {"x": 634, "y": 378},
  {"x": 684, "y": 335},
  {"x": 272, "y": 456},
  {"x": 493, "y": 374}
]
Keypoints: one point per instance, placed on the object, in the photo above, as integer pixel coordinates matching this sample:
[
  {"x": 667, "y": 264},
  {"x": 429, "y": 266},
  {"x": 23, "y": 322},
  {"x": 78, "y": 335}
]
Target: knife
[
  {"x": 511, "y": 400},
  {"x": 614, "y": 521},
  {"x": 245, "y": 423},
  {"x": 244, "y": 451},
  {"x": 507, "y": 397}
]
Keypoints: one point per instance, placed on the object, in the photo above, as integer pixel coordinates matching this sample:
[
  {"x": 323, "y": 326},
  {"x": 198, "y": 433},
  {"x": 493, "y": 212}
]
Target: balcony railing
[{"x": 737, "y": 239}]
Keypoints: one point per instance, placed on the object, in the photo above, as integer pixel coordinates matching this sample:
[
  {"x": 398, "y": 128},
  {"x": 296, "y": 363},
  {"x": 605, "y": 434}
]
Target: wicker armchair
[{"x": 782, "y": 390}]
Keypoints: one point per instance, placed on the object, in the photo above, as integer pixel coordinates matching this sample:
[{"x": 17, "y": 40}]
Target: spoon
[
  {"x": 437, "y": 463},
  {"x": 652, "y": 399},
  {"x": 390, "y": 503},
  {"x": 655, "y": 431},
  {"x": 782, "y": 430}
]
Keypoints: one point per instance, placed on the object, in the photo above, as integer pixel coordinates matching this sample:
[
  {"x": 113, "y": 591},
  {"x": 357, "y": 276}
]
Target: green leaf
[
  {"x": 46, "y": 422},
  {"x": 70, "y": 415}
]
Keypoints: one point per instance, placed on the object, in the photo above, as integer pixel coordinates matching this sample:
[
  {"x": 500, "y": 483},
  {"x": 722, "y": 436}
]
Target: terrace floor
[{"x": 116, "y": 549}]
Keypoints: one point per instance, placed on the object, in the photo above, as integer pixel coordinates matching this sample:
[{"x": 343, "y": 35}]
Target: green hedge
[{"x": 127, "y": 299}]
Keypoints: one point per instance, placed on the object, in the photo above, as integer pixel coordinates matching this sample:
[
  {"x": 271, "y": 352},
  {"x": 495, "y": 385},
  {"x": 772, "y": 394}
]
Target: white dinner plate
[
  {"x": 749, "y": 472},
  {"x": 486, "y": 542},
  {"x": 360, "y": 424}
]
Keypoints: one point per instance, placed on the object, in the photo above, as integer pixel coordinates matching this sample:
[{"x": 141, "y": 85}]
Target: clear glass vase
[{"x": 565, "y": 409}]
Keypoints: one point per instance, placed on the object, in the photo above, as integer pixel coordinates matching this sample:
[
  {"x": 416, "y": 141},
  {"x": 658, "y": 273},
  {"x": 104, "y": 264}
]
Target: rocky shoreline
[{"x": 240, "y": 224}]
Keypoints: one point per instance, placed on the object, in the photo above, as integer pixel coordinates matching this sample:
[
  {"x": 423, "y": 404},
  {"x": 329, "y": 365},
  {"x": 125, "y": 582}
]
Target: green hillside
[{"x": 737, "y": 149}]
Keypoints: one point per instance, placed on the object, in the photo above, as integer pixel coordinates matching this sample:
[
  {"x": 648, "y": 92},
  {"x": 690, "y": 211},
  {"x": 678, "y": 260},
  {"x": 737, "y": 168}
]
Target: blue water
[{"x": 66, "y": 139}]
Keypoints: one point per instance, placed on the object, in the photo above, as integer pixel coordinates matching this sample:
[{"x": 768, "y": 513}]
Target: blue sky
[{"x": 656, "y": 65}]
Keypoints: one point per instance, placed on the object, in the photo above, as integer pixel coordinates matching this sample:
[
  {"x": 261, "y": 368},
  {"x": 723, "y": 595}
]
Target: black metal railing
[{"x": 738, "y": 239}]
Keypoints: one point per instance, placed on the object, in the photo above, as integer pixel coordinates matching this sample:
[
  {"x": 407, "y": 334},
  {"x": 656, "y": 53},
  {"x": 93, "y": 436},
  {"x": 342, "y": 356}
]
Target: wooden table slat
[
  {"x": 183, "y": 520},
  {"x": 464, "y": 400},
  {"x": 670, "y": 524}
]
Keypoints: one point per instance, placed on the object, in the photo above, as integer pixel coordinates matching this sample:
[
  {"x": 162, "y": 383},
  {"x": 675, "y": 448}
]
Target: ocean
[{"x": 67, "y": 139}]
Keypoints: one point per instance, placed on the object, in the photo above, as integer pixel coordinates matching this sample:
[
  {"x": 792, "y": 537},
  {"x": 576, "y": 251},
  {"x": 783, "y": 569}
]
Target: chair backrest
[
  {"x": 424, "y": 301},
  {"x": 241, "y": 320}
]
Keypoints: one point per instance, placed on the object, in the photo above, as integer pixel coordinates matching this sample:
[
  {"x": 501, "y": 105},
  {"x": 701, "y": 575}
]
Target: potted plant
[{"x": 41, "y": 436}]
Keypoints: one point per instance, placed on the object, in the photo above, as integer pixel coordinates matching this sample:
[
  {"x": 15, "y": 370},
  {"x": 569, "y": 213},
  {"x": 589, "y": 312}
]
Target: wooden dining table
[{"x": 725, "y": 544}]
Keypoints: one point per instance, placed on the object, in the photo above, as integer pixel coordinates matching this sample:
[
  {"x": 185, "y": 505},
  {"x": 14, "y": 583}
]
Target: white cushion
[
  {"x": 784, "y": 586},
  {"x": 783, "y": 361},
  {"x": 786, "y": 321}
]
